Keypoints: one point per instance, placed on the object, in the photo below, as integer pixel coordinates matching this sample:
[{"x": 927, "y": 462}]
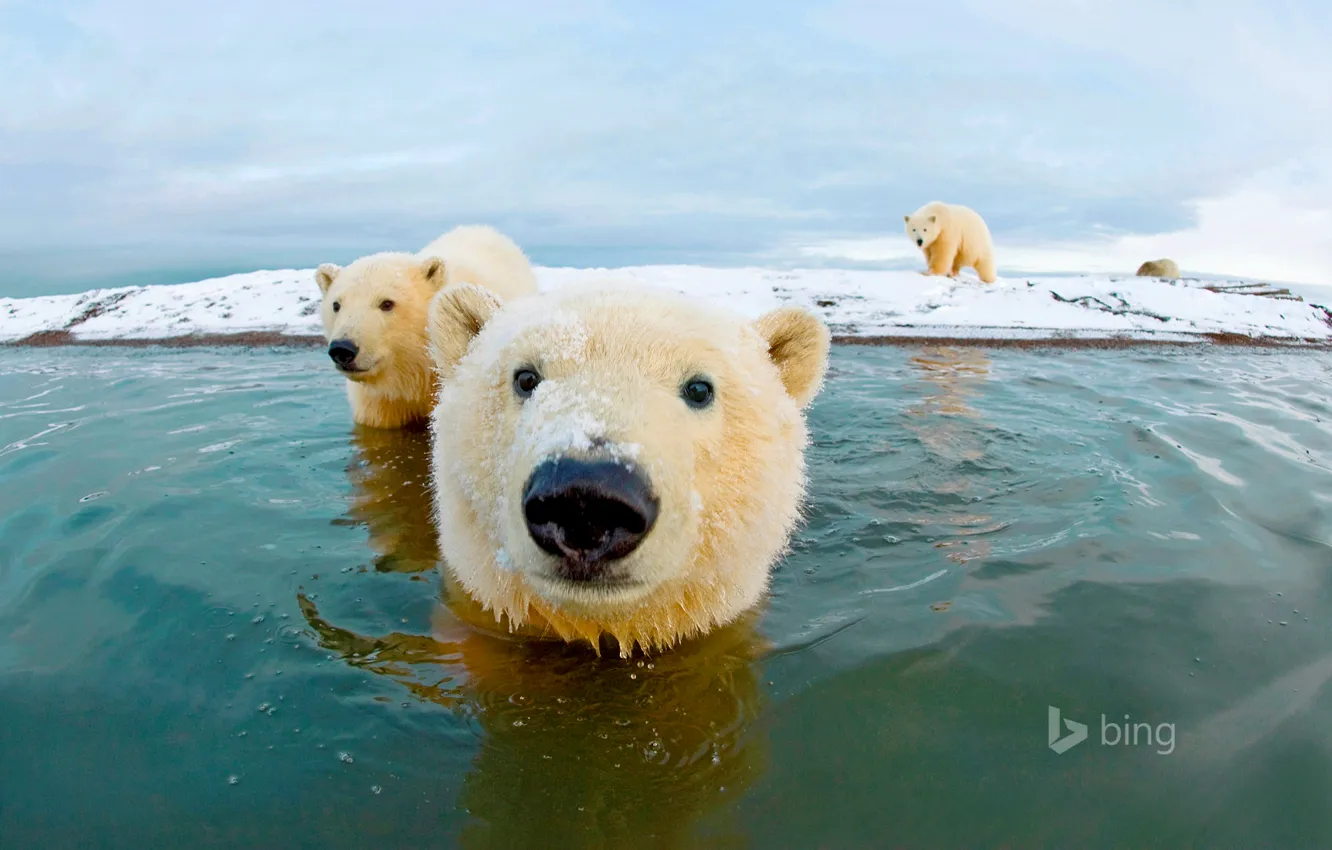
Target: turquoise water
[{"x": 216, "y": 604}]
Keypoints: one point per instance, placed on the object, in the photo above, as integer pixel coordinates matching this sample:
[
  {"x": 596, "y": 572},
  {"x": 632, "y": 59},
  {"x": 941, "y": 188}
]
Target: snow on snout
[
  {"x": 566, "y": 416},
  {"x": 560, "y": 418}
]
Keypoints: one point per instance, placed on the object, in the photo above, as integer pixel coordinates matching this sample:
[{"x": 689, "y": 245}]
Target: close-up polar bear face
[
  {"x": 618, "y": 462},
  {"x": 923, "y": 229}
]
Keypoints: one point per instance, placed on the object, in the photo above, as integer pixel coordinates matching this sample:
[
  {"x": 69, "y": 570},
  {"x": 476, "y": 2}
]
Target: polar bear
[
  {"x": 1164, "y": 268},
  {"x": 617, "y": 463},
  {"x": 374, "y": 314},
  {"x": 952, "y": 237}
]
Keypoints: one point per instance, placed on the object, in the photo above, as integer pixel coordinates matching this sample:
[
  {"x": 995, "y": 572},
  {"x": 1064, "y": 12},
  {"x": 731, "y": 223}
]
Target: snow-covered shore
[{"x": 865, "y": 304}]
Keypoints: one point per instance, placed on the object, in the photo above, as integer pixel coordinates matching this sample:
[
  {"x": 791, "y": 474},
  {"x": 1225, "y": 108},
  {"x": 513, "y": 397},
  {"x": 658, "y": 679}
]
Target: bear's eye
[
  {"x": 386, "y": 305},
  {"x": 525, "y": 382},
  {"x": 337, "y": 306},
  {"x": 697, "y": 393}
]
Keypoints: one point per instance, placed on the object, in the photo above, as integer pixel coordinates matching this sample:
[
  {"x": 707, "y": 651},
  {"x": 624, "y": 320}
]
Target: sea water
[{"x": 220, "y": 621}]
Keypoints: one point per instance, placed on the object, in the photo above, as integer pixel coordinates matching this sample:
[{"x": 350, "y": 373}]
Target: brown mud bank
[{"x": 274, "y": 339}]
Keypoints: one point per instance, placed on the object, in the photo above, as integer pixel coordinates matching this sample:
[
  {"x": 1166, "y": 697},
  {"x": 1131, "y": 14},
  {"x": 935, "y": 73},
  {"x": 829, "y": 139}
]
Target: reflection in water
[
  {"x": 945, "y": 423},
  {"x": 578, "y": 749},
  {"x": 390, "y": 479}
]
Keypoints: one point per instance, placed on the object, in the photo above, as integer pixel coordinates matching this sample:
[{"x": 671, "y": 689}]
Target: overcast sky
[{"x": 164, "y": 138}]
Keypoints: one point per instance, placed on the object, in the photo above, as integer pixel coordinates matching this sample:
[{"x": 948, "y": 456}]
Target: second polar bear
[
  {"x": 953, "y": 237},
  {"x": 374, "y": 313}
]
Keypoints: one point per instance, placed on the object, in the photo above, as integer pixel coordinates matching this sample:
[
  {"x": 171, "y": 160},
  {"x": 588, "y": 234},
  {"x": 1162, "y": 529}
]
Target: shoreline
[
  {"x": 274, "y": 339},
  {"x": 280, "y": 308}
]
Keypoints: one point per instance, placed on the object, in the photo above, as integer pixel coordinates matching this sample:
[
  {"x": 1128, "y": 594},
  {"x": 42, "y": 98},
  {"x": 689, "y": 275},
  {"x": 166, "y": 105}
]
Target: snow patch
[{"x": 853, "y": 302}]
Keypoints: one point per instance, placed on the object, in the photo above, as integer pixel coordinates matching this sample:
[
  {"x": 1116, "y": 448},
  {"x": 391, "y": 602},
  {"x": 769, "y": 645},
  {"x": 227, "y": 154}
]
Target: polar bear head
[
  {"x": 614, "y": 461},
  {"x": 374, "y": 314},
  {"x": 924, "y": 225}
]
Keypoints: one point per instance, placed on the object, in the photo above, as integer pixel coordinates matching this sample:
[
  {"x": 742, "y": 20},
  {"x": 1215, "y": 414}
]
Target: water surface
[{"x": 220, "y": 622}]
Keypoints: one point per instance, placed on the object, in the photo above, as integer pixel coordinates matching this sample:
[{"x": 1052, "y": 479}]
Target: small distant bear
[
  {"x": 615, "y": 461},
  {"x": 1159, "y": 268},
  {"x": 952, "y": 237},
  {"x": 374, "y": 314}
]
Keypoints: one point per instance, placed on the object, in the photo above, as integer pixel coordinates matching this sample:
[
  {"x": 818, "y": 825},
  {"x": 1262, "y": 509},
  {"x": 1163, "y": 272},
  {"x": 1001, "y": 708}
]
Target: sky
[{"x": 162, "y": 141}]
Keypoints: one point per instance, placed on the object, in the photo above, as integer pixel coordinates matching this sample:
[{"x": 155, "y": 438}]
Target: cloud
[{"x": 300, "y": 130}]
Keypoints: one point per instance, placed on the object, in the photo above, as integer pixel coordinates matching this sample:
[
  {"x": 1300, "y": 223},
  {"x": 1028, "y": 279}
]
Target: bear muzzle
[
  {"x": 343, "y": 353},
  {"x": 588, "y": 513}
]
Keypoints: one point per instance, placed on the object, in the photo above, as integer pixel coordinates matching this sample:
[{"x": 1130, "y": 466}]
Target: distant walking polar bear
[{"x": 952, "y": 237}]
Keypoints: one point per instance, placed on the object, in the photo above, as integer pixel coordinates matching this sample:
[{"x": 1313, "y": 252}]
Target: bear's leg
[
  {"x": 941, "y": 259},
  {"x": 985, "y": 268}
]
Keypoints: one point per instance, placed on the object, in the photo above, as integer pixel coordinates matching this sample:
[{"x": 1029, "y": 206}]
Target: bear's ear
[
  {"x": 326, "y": 274},
  {"x": 798, "y": 343},
  {"x": 457, "y": 315},
  {"x": 907, "y": 219},
  {"x": 933, "y": 218},
  {"x": 432, "y": 269}
]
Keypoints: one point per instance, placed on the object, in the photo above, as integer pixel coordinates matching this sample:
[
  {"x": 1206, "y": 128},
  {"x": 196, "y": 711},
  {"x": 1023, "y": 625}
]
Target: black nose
[
  {"x": 588, "y": 513},
  {"x": 920, "y": 242},
  {"x": 343, "y": 351}
]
